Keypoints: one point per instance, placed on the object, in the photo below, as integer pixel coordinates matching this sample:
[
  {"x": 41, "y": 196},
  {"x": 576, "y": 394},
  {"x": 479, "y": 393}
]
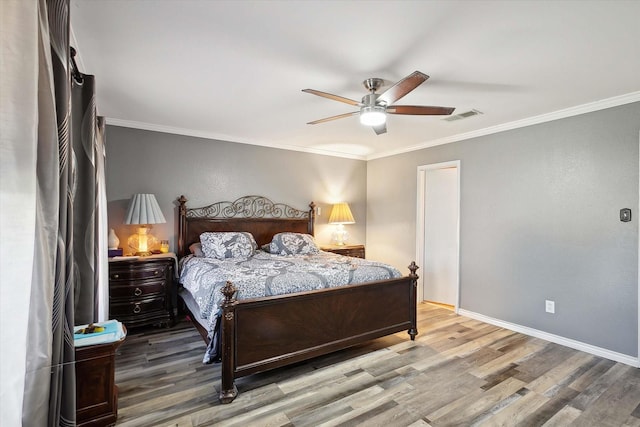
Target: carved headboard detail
[{"x": 255, "y": 214}]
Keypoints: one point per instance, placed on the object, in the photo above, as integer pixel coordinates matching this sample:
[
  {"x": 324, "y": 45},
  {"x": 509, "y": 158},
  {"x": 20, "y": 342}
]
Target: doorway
[{"x": 438, "y": 233}]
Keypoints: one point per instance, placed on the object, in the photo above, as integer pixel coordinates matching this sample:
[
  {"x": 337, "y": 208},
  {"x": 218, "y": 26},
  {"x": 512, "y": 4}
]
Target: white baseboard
[{"x": 587, "y": 348}]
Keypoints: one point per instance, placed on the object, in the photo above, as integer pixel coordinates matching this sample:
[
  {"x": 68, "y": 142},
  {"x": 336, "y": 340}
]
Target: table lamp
[
  {"x": 340, "y": 215},
  {"x": 143, "y": 210}
]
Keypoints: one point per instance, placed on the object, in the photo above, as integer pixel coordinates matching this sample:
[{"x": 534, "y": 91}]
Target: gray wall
[
  {"x": 206, "y": 171},
  {"x": 539, "y": 220},
  {"x": 539, "y": 210}
]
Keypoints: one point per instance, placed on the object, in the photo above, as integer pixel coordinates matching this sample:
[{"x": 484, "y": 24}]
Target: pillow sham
[
  {"x": 231, "y": 244},
  {"x": 196, "y": 250},
  {"x": 293, "y": 244}
]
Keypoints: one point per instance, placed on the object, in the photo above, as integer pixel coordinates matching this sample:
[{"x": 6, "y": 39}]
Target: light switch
[{"x": 625, "y": 215}]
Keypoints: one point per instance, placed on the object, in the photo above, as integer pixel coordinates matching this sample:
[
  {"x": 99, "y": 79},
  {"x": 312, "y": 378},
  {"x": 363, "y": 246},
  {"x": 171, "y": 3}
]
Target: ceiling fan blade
[
  {"x": 420, "y": 110},
  {"x": 403, "y": 87},
  {"x": 380, "y": 129},
  {"x": 339, "y": 116},
  {"x": 332, "y": 96}
]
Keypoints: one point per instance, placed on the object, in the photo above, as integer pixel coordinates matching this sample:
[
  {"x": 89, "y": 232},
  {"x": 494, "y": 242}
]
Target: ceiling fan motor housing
[
  {"x": 370, "y": 100},
  {"x": 372, "y": 113}
]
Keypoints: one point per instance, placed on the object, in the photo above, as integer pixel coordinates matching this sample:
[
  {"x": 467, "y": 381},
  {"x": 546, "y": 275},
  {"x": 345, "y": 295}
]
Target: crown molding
[
  {"x": 542, "y": 118},
  {"x": 224, "y": 138}
]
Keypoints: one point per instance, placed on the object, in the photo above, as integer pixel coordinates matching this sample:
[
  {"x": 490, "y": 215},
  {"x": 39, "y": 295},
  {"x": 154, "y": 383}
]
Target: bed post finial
[
  {"x": 229, "y": 290},
  {"x": 228, "y": 391},
  {"x": 413, "y": 267},
  {"x": 182, "y": 225},
  {"x": 312, "y": 217},
  {"x": 413, "y": 330}
]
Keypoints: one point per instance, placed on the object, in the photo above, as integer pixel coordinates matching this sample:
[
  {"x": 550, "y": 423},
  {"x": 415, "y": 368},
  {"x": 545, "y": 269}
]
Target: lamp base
[
  {"x": 142, "y": 243},
  {"x": 340, "y": 236}
]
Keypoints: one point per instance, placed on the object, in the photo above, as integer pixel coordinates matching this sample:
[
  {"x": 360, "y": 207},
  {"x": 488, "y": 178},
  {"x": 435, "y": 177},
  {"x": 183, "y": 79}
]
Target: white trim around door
[{"x": 420, "y": 223}]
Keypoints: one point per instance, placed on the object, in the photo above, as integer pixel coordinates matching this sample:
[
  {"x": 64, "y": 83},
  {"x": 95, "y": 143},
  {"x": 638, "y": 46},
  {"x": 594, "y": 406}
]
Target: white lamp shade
[
  {"x": 341, "y": 214},
  {"x": 144, "y": 209}
]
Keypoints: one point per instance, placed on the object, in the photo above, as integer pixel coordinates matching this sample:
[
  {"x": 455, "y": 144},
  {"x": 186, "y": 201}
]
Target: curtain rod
[{"x": 75, "y": 72}]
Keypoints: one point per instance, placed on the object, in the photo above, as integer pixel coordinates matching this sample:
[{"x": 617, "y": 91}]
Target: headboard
[{"x": 255, "y": 214}]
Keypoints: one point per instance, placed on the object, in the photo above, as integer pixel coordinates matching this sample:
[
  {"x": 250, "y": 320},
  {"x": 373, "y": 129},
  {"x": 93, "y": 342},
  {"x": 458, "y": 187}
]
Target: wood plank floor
[{"x": 458, "y": 372}]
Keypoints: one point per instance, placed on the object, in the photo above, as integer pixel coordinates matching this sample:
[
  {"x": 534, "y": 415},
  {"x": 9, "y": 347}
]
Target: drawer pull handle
[
  {"x": 137, "y": 292},
  {"x": 137, "y": 309},
  {"x": 116, "y": 276}
]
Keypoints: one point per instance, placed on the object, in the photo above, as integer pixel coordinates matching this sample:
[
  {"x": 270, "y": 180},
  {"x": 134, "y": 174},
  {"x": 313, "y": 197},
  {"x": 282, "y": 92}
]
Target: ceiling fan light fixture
[
  {"x": 374, "y": 107},
  {"x": 373, "y": 116}
]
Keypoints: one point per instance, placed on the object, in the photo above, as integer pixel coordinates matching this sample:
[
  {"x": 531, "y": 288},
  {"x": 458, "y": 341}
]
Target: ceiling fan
[{"x": 375, "y": 107}]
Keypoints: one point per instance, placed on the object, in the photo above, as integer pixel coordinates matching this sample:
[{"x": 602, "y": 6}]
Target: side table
[{"x": 96, "y": 390}]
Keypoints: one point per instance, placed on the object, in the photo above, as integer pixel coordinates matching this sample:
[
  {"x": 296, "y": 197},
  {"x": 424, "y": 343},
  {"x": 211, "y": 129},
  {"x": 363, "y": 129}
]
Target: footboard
[{"x": 271, "y": 332}]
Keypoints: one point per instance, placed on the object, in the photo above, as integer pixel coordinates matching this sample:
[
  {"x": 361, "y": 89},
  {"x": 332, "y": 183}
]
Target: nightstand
[
  {"x": 348, "y": 250},
  {"x": 96, "y": 390},
  {"x": 141, "y": 290}
]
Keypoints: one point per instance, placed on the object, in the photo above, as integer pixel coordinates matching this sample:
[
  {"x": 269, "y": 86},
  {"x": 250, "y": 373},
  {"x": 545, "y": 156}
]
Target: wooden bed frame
[{"x": 299, "y": 326}]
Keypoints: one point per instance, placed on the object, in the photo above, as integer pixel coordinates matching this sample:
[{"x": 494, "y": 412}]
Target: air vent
[{"x": 461, "y": 116}]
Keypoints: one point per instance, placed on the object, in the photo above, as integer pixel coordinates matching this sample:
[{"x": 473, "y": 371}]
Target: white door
[{"x": 439, "y": 219}]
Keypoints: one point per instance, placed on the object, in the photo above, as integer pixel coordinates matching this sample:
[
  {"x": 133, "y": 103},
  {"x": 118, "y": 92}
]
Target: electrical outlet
[
  {"x": 550, "y": 306},
  {"x": 318, "y": 211}
]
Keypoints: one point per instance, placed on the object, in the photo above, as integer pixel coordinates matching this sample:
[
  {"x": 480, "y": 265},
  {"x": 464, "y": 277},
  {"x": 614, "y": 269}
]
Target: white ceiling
[{"x": 234, "y": 70}]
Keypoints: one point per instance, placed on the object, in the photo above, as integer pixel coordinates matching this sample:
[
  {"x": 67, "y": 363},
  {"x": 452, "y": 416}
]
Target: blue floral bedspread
[{"x": 265, "y": 274}]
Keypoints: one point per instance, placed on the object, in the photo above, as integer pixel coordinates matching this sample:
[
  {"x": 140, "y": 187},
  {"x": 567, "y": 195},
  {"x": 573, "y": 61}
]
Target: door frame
[{"x": 420, "y": 222}]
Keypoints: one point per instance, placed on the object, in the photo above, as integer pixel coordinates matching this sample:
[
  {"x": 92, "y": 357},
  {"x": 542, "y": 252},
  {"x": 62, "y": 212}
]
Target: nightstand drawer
[
  {"x": 136, "y": 307},
  {"x": 138, "y": 290},
  {"x": 138, "y": 272},
  {"x": 356, "y": 251}
]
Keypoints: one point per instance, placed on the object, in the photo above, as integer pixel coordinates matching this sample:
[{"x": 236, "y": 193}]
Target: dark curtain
[
  {"x": 84, "y": 193},
  {"x": 69, "y": 195},
  {"x": 62, "y": 397},
  {"x": 81, "y": 228}
]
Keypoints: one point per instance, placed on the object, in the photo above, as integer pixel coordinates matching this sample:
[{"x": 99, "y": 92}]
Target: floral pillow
[
  {"x": 293, "y": 244},
  {"x": 221, "y": 245}
]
